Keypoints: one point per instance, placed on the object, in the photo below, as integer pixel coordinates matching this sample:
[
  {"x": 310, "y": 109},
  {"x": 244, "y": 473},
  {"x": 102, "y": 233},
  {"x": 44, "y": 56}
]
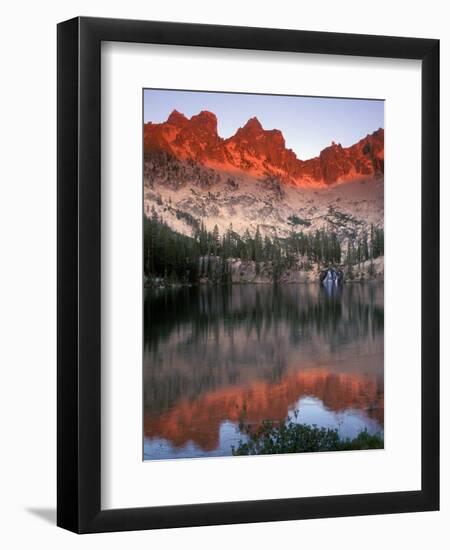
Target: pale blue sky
[{"x": 308, "y": 123}]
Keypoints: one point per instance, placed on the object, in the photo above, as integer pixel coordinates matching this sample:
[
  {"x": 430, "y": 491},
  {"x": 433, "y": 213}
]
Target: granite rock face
[{"x": 262, "y": 153}]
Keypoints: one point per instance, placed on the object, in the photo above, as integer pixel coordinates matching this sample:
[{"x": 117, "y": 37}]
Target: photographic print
[{"x": 263, "y": 260}]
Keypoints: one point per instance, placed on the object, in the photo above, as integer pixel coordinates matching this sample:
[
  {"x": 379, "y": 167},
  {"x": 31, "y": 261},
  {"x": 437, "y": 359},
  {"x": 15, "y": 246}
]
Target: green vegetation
[
  {"x": 365, "y": 247},
  {"x": 291, "y": 437},
  {"x": 295, "y": 220},
  {"x": 180, "y": 259},
  {"x": 168, "y": 254},
  {"x": 341, "y": 219},
  {"x": 188, "y": 218}
]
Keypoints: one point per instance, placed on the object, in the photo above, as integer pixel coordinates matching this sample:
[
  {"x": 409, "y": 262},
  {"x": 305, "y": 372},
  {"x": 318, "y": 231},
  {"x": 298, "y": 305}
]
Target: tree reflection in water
[{"x": 214, "y": 353}]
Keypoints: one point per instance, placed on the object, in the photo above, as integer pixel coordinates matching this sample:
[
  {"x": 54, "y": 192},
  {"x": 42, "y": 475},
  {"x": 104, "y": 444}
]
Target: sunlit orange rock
[{"x": 262, "y": 153}]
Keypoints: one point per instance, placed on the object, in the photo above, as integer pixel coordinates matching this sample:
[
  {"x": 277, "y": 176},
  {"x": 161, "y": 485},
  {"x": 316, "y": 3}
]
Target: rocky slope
[{"x": 183, "y": 194}]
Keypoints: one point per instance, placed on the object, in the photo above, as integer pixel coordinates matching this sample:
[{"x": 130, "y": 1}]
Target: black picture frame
[{"x": 79, "y": 281}]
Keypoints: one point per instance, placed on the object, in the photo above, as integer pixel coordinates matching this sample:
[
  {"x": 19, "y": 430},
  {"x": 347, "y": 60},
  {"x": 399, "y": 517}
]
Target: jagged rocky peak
[
  {"x": 263, "y": 153},
  {"x": 206, "y": 120},
  {"x": 252, "y": 125},
  {"x": 177, "y": 119},
  {"x": 254, "y": 128},
  {"x": 265, "y": 144}
]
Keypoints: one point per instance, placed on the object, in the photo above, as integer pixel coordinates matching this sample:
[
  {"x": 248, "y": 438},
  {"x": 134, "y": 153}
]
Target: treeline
[
  {"x": 367, "y": 247},
  {"x": 168, "y": 254},
  {"x": 176, "y": 257}
]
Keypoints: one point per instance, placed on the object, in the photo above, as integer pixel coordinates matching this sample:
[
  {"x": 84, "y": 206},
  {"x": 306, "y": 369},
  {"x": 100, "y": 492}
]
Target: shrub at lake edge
[{"x": 291, "y": 437}]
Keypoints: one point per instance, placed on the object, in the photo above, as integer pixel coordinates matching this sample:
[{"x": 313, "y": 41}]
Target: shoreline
[
  {"x": 375, "y": 280},
  {"x": 215, "y": 271}
]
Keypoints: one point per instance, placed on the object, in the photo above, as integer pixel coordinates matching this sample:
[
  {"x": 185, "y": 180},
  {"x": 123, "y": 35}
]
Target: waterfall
[{"x": 331, "y": 277}]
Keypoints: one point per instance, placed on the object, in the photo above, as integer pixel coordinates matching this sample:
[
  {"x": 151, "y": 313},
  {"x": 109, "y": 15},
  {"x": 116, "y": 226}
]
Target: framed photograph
[{"x": 248, "y": 288}]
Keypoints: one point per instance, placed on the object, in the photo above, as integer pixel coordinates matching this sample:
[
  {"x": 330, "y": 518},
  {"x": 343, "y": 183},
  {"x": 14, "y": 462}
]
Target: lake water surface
[{"x": 214, "y": 355}]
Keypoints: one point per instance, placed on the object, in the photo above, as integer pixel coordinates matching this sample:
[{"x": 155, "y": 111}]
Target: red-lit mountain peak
[
  {"x": 205, "y": 120},
  {"x": 262, "y": 153},
  {"x": 177, "y": 119},
  {"x": 252, "y": 126}
]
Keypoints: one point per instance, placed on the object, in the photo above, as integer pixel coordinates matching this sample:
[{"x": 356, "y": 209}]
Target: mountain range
[
  {"x": 252, "y": 180},
  {"x": 260, "y": 153}
]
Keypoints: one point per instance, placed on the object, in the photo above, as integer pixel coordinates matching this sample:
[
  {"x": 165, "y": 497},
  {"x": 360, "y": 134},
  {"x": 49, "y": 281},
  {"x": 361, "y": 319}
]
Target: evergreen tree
[
  {"x": 215, "y": 240},
  {"x": 365, "y": 248},
  {"x": 178, "y": 258},
  {"x": 267, "y": 250}
]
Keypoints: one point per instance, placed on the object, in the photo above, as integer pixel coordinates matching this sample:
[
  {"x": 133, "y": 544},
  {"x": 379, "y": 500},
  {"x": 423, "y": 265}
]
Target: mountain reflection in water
[{"x": 212, "y": 354}]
